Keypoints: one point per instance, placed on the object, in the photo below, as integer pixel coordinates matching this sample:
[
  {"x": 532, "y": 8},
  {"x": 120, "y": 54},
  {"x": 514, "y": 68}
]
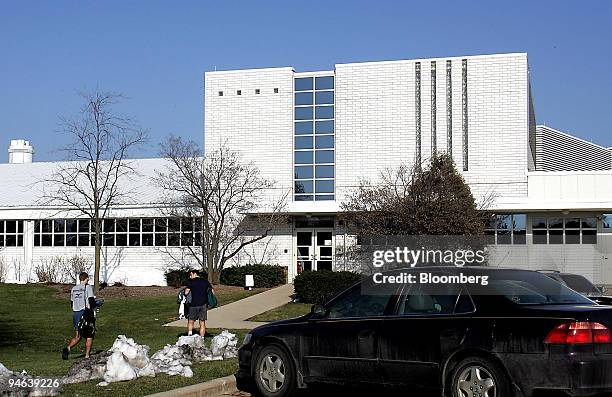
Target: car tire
[
  {"x": 478, "y": 377},
  {"x": 274, "y": 372}
]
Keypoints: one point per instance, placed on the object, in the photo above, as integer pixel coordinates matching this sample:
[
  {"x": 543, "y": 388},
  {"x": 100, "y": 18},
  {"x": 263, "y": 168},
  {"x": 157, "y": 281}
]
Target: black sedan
[
  {"x": 580, "y": 284},
  {"x": 518, "y": 333}
]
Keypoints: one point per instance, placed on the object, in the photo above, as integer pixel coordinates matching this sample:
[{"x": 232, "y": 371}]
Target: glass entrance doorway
[{"x": 315, "y": 249}]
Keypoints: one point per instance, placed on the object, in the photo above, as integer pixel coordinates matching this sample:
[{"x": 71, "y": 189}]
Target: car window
[
  {"x": 431, "y": 299},
  {"x": 579, "y": 283},
  {"x": 356, "y": 304}
]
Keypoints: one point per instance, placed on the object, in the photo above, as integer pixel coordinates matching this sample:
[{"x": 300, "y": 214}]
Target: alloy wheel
[
  {"x": 272, "y": 373},
  {"x": 476, "y": 381}
]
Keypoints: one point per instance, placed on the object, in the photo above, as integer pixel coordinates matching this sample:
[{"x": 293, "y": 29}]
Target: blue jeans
[{"x": 76, "y": 316}]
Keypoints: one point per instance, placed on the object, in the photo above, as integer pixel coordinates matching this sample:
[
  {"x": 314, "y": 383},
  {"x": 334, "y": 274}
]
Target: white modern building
[{"x": 318, "y": 134}]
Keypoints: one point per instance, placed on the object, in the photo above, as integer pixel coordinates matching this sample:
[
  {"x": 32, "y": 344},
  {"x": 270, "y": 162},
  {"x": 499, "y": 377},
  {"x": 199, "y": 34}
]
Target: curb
[{"x": 212, "y": 388}]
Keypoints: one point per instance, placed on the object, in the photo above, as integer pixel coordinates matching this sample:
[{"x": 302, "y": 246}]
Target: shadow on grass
[{"x": 10, "y": 334}]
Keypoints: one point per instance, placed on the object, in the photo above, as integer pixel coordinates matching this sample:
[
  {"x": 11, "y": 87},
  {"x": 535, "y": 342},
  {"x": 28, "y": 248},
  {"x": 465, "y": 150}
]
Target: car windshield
[
  {"x": 530, "y": 288},
  {"x": 579, "y": 283}
]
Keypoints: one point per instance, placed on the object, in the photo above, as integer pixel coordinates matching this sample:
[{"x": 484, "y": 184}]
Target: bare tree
[
  {"x": 228, "y": 198},
  {"x": 101, "y": 140}
]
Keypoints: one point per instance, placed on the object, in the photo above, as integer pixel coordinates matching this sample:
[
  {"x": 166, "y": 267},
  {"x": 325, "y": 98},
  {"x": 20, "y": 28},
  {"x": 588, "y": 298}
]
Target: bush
[
  {"x": 50, "y": 271},
  {"x": 321, "y": 286},
  {"x": 265, "y": 276},
  {"x": 180, "y": 277}
]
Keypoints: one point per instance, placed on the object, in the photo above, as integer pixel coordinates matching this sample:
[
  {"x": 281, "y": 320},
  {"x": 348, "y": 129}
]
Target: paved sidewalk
[{"x": 234, "y": 315}]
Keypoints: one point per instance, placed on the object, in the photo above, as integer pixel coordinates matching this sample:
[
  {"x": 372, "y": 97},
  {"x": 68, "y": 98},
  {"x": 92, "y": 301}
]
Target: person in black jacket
[{"x": 198, "y": 288}]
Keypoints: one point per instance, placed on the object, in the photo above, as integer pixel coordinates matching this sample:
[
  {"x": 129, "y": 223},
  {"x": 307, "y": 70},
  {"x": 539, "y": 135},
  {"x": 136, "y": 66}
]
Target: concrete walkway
[{"x": 235, "y": 314}]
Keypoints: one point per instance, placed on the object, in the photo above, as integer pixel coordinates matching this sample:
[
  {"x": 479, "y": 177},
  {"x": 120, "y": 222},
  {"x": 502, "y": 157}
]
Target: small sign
[{"x": 249, "y": 281}]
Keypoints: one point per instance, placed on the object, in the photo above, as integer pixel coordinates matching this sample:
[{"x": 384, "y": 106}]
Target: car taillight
[{"x": 579, "y": 332}]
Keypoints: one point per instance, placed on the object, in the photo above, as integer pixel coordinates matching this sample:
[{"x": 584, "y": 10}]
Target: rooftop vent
[{"x": 20, "y": 151}]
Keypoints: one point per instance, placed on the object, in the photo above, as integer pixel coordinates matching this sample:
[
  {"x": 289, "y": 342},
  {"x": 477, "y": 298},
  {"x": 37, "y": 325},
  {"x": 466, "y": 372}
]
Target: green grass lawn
[
  {"x": 288, "y": 310},
  {"x": 35, "y": 324}
]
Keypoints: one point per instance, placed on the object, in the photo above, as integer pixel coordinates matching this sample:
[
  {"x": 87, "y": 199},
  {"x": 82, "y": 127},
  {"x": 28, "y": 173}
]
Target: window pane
[
  {"x": 589, "y": 237},
  {"x": 555, "y": 236},
  {"x": 134, "y": 240},
  {"x": 121, "y": 240},
  {"x": 519, "y": 221},
  {"x": 304, "y": 113},
  {"x": 134, "y": 225},
  {"x": 324, "y": 171},
  {"x": 539, "y": 223},
  {"x": 174, "y": 225},
  {"x": 303, "y": 172},
  {"x": 572, "y": 236},
  {"x": 324, "y": 197},
  {"x": 572, "y": 222},
  {"x": 303, "y": 197},
  {"x": 11, "y": 240},
  {"x": 303, "y": 128},
  {"x": 555, "y": 223},
  {"x": 109, "y": 225},
  {"x": 324, "y": 156},
  {"x": 19, "y": 226},
  {"x": 160, "y": 239},
  {"x": 304, "y": 83},
  {"x": 71, "y": 240},
  {"x": 84, "y": 225},
  {"x": 325, "y": 83},
  {"x": 46, "y": 240},
  {"x": 325, "y": 186},
  {"x": 589, "y": 223},
  {"x": 303, "y": 187},
  {"x": 161, "y": 225},
  {"x": 1, "y": 226},
  {"x": 147, "y": 240},
  {"x": 606, "y": 220},
  {"x": 303, "y": 157},
  {"x": 504, "y": 222},
  {"x": 325, "y": 142},
  {"x": 539, "y": 237},
  {"x": 354, "y": 304},
  {"x": 108, "y": 240},
  {"x": 121, "y": 225},
  {"x": 174, "y": 239},
  {"x": 324, "y": 98},
  {"x": 83, "y": 240},
  {"x": 503, "y": 237},
  {"x": 303, "y": 98},
  {"x": 58, "y": 240},
  {"x": 303, "y": 142},
  {"x": 47, "y": 226},
  {"x": 324, "y": 127},
  {"x": 520, "y": 237},
  {"x": 490, "y": 236},
  {"x": 187, "y": 224},
  {"x": 323, "y": 112},
  {"x": 147, "y": 225},
  {"x": 58, "y": 226}
]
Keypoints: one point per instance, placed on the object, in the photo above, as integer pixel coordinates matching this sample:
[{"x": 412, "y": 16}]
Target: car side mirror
[{"x": 318, "y": 311}]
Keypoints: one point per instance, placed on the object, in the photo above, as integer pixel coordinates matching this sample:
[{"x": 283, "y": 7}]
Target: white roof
[{"x": 21, "y": 185}]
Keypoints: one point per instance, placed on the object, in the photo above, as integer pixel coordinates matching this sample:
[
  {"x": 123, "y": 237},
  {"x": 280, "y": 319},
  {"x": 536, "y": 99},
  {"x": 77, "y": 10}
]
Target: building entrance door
[{"x": 314, "y": 249}]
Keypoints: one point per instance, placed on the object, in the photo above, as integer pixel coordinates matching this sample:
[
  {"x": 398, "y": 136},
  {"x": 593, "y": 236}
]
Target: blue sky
[{"x": 156, "y": 53}]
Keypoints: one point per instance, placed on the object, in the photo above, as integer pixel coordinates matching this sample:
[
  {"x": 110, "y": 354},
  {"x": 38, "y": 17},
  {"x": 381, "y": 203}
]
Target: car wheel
[
  {"x": 478, "y": 377},
  {"x": 274, "y": 372}
]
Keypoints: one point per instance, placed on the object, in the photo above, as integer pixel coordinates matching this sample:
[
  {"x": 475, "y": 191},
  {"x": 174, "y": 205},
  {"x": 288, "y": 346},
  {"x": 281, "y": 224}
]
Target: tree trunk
[{"x": 97, "y": 256}]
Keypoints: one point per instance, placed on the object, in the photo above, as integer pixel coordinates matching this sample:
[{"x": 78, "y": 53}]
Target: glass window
[
  {"x": 325, "y": 142},
  {"x": 303, "y": 142},
  {"x": 572, "y": 236},
  {"x": 303, "y": 98},
  {"x": 147, "y": 225},
  {"x": 589, "y": 236},
  {"x": 324, "y": 197},
  {"x": 606, "y": 220},
  {"x": 304, "y": 157},
  {"x": 134, "y": 225},
  {"x": 303, "y": 128},
  {"x": 540, "y": 236},
  {"x": 504, "y": 229},
  {"x": 303, "y": 187},
  {"x": 539, "y": 223},
  {"x": 303, "y": 172},
  {"x": 555, "y": 223},
  {"x": 572, "y": 223},
  {"x": 58, "y": 226},
  {"x": 304, "y": 113},
  {"x": 134, "y": 240},
  {"x": 303, "y": 84},
  {"x": 324, "y": 156},
  {"x": 83, "y": 240},
  {"x": 324, "y": 127},
  {"x": 108, "y": 225},
  {"x": 590, "y": 223},
  {"x": 323, "y": 98},
  {"x": 426, "y": 299},
  {"x": 324, "y": 171},
  {"x": 323, "y": 112},
  {"x": 303, "y": 197},
  {"x": 325, "y": 186},
  {"x": 84, "y": 225},
  {"x": 121, "y": 240},
  {"x": 174, "y": 224},
  {"x": 147, "y": 240},
  {"x": 160, "y": 225},
  {"x": 325, "y": 83},
  {"x": 121, "y": 225},
  {"x": 354, "y": 304},
  {"x": 555, "y": 236}
]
